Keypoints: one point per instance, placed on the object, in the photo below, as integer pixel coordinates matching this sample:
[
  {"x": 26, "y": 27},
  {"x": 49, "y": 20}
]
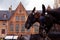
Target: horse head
[
  {"x": 55, "y": 13},
  {"x": 32, "y": 18}
]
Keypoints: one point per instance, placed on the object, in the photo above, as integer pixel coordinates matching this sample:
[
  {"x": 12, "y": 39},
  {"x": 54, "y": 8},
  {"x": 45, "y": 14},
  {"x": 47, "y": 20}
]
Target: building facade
[{"x": 12, "y": 22}]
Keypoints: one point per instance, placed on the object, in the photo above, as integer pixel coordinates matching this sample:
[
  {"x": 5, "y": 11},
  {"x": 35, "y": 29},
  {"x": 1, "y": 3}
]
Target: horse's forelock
[{"x": 37, "y": 14}]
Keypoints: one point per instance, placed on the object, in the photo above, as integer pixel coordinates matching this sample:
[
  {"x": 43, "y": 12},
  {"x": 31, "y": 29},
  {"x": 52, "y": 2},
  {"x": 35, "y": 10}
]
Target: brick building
[{"x": 12, "y": 22}]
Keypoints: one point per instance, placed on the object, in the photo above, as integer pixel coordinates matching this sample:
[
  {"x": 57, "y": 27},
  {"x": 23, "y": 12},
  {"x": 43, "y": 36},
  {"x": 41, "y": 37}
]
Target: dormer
[{"x": 4, "y": 16}]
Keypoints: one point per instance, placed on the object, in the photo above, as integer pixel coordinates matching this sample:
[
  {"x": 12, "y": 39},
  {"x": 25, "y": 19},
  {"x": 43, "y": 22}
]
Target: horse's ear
[
  {"x": 33, "y": 9},
  {"x": 43, "y": 8}
]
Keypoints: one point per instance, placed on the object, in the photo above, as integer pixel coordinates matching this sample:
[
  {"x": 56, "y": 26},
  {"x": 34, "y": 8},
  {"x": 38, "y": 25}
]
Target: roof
[{"x": 9, "y": 14}]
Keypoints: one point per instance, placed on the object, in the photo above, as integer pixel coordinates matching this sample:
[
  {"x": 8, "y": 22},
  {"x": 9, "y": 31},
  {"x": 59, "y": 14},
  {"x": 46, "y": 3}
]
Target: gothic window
[
  {"x": 22, "y": 18},
  {"x": 11, "y": 27},
  {"x": 17, "y": 28},
  {"x": 23, "y": 28},
  {"x": 17, "y": 18}
]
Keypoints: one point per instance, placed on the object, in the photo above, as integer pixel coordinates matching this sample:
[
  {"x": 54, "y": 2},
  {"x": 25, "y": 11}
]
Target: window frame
[
  {"x": 11, "y": 27},
  {"x": 17, "y": 18},
  {"x": 22, "y": 18},
  {"x": 17, "y": 26},
  {"x": 23, "y": 28}
]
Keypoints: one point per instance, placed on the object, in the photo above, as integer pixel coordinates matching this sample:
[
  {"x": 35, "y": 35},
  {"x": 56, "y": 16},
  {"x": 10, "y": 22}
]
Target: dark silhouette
[
  {"x": 53, "y": 12},
  {"x": 54, "y": 16},
  {"x": 46, "y": 20}
]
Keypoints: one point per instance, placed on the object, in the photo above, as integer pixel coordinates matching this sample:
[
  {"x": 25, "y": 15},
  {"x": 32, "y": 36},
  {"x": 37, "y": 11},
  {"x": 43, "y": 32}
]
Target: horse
[
  {"x": 53, "y": 12},
  {"x": 45, "y": 22},
  {"x": 31, "y": 19}
]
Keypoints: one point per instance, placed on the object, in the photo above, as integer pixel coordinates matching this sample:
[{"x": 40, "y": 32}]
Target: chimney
[{"x": 10, "y": 8}]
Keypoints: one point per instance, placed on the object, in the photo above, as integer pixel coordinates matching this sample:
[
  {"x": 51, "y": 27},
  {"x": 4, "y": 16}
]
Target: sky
[{"x": 28, "y": 4}]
